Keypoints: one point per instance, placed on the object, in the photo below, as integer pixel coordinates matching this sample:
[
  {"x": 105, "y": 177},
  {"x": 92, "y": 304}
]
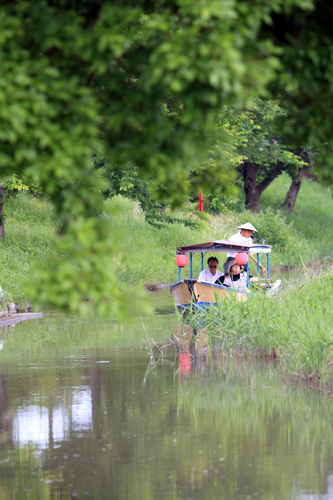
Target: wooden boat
[{"x": 191, "y": 293}]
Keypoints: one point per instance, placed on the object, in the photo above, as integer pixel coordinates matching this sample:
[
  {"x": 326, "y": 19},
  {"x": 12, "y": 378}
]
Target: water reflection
[
  {"x": 82, "y": 416},
  {"x": 6, "y": 425},
  {"x": 189, "y": 340},
  {"x": 328, "y": 495},
  {"x": 43, "y": 426}
]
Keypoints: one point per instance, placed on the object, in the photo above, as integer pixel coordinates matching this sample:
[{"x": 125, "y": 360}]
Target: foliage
[
  {"x": 155, "y": 79},
  {"x": 262, "y": 147},
  {"x": 274, "y": 230},
  {"x": 218, "y": 167},
  {"x": 256, "y": 149},
  {"x": 13, "y": 184},
  {"x": 305, "y": 85},
  {"x": 127, "y": 182},
  {"x": 259, "y": 139}
]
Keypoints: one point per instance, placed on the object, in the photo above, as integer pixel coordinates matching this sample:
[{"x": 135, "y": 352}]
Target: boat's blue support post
[
  {"x": 247, "y": 274},
  {"x": 201, "y": 261},
  {"x": 258, "y": 259},
  {"x": 180, "y": 273},
  {"x": 268, "y": 276},
  {"x": 191, "y": 265}
]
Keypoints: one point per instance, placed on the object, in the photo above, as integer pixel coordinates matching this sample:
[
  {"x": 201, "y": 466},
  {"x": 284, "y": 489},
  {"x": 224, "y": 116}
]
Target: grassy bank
[
  {"x": 147, "y": 253},
  {"x": 294, "y": 327},
  {"x": 305, "y": 235},
  {"x": 312, "y": 217},
  {"x": 30, "y": 224}
]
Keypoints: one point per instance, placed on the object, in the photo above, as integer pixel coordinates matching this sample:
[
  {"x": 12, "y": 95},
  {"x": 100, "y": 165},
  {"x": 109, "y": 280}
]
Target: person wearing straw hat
[{"x": 244, "y": 236}]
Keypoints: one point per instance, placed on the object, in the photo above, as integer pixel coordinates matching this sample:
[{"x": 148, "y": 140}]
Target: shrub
[{"x": 273, "y": 229}]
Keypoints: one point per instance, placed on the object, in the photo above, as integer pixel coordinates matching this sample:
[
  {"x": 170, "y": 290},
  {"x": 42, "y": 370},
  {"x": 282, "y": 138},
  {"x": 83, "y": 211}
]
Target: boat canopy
[
  {"x": 260, "y": 249},
  {"x": 223, "y": 246}
]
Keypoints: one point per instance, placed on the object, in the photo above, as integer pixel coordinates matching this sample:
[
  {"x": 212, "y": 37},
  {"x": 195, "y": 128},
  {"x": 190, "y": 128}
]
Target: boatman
[
  {"x": 211, "y": 274},
  {"x": 244, "y": 236}
]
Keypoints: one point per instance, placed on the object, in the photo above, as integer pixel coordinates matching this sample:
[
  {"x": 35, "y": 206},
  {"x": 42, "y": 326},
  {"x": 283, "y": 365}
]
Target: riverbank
[
  {"x": 12, "y": 319},
  {"x": 294, "y": 327},
  {"x": 146, "y": 253}
]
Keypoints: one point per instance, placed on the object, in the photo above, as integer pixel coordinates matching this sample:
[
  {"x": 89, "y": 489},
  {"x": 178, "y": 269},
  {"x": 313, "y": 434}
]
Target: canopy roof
[{"x": 223, "y": 246}]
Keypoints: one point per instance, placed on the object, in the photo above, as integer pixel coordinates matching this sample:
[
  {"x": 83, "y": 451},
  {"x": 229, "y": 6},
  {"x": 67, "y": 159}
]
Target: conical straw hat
[{"x": 248, "y": 226}]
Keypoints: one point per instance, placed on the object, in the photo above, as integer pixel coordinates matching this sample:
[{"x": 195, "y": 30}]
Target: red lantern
[
  {"x": 241, "y": 258},
  {"x": 181, "y": 260}
]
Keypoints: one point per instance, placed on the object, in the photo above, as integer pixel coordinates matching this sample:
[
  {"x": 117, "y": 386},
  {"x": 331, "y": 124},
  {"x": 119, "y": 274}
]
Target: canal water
[{"x": 87, "y": 412}]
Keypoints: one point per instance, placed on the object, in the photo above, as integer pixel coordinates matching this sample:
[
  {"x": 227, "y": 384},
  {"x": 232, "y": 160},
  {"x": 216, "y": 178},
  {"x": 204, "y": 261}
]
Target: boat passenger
[
  {"x": 244, "y": 236},
  {"x": 235, "y": 277},
  {"x": 211, "y": 274}
]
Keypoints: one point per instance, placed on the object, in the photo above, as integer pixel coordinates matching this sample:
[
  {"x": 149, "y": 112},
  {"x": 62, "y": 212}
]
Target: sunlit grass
[{"x": 312, "y": 217}]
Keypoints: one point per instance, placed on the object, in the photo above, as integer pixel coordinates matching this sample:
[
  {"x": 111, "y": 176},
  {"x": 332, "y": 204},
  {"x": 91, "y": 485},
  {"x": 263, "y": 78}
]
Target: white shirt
[
  {"x": 238, "y": 238},
  {"x": 208, "y": 277},
  {"x": 237, "y": 285}
]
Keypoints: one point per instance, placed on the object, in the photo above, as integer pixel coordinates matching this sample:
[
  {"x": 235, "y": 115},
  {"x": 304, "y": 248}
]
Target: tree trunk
[
  {"x": 252, "y": 191},
  {"x": 2, "y": 223},
  {"x": 289, "y": 202}
]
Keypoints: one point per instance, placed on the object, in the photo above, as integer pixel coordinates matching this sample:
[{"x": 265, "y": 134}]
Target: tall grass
[{"x": 295, "y": 326}]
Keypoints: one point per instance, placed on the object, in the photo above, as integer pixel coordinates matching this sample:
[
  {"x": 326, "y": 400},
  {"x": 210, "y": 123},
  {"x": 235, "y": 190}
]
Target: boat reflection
[{"x": 190, "y": 344}]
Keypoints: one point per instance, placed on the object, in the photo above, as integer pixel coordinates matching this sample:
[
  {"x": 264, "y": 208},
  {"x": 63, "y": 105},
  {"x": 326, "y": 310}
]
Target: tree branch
[{"x": 270, "y": 178}]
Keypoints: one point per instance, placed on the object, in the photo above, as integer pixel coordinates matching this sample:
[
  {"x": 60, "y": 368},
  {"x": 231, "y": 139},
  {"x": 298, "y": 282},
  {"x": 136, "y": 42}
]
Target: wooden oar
[{"x": 261, "y": 267}]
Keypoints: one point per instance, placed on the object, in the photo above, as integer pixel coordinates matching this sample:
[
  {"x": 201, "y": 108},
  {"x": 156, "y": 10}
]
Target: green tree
[
  {"x": 262, "y": 148},
  {"x": 140, "y": 81},
  {"x": 126, "y": 181}
]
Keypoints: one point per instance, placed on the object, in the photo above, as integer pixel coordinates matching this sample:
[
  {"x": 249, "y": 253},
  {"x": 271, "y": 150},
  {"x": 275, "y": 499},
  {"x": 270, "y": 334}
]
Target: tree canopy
[
  {"x": 143, "y": 82},
  {"x": 262, "y": 148}
]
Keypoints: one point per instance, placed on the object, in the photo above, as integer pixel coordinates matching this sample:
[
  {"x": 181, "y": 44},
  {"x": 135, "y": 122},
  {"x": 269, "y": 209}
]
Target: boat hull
[{"x": 192, "y": 293}]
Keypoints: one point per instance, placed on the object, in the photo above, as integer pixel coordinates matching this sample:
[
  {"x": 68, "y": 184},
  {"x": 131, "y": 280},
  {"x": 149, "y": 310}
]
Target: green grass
[
  {"x": 147, "y": 254},
  {"x": 29, "y": 227},
  {"x": 295, "y": 326},
  {"x": 312, "y": 217}
]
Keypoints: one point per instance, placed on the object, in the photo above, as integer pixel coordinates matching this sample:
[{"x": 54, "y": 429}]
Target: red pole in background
[
  {"x": 201, "y": 200},
  {"x": 200, "y": 206}
]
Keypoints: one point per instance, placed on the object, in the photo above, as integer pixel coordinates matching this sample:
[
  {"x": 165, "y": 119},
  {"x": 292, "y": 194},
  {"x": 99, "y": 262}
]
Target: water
[{"x": 86, "y": 413}]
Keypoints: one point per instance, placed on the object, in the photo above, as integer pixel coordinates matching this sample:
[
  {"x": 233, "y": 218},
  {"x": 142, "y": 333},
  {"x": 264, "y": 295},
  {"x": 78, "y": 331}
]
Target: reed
[{"x": 294, "y": 327}]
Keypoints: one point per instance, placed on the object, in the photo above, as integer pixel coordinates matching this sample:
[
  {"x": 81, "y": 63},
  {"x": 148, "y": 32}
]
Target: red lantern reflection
[{"x": 185, "y": 364}]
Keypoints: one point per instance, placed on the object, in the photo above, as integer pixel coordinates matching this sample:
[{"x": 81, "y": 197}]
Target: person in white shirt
[
  {"x": 211, "y": 274},
  {"x": 244, "y": 236},
  {"x": 235, "y": 278}
]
